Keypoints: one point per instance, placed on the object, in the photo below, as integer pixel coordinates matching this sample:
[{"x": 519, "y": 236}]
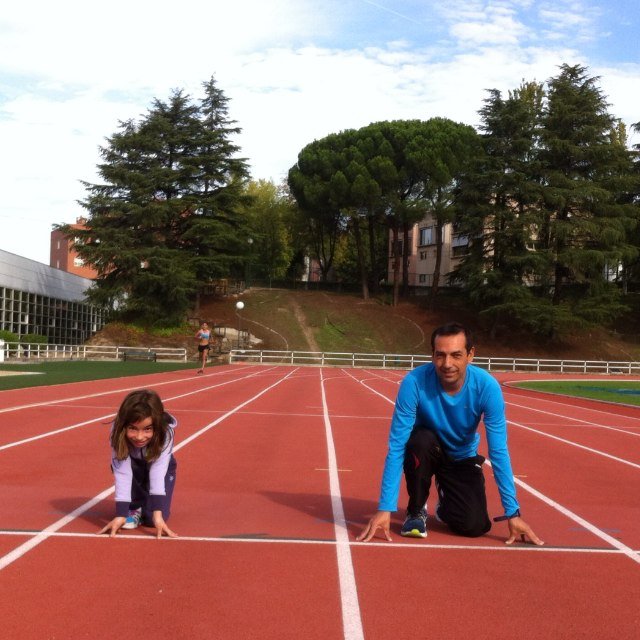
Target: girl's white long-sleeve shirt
[{"x": 123, "y": 473}]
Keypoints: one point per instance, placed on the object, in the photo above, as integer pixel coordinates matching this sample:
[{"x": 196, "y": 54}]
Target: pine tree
[
  {"x": 549, "y": 208},
  {"x": 498, "y": 208},
  {"x": 586, "y": 170},
  {"x": 164, "y": 221}
]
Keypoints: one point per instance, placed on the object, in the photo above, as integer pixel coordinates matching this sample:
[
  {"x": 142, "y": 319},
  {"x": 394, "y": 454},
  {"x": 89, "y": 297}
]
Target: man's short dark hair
[{"x": 452, "y": 329}]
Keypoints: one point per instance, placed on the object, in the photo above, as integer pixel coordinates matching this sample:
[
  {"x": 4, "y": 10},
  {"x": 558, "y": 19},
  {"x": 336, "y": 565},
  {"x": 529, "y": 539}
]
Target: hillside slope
[
  {"x": 327, "y": 321},
  {"x": 283, "y": 319}
]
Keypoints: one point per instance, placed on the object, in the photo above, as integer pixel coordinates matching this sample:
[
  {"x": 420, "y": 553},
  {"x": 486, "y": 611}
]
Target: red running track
[{"x": 278, "y": 469}]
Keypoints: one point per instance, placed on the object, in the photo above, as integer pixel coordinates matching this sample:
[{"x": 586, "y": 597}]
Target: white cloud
[
  {"x": 501, "y": 30},
  {"x": 295, "y": 71}
]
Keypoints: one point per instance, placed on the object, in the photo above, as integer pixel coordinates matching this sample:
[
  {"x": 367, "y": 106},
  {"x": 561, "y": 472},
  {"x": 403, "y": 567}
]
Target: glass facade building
[{"x": 36, "y": 298}]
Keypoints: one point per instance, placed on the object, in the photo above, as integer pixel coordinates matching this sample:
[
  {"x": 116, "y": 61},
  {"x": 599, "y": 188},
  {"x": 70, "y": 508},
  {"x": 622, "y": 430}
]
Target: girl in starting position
[{"x": 143, "y": 464}]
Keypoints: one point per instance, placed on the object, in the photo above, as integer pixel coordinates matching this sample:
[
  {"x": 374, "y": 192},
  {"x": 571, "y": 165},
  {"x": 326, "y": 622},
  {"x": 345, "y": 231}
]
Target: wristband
[{"x": 515, "y": 514}]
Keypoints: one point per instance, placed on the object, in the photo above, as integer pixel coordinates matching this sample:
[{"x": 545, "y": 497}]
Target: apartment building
[{"x": 422, "y": 253}]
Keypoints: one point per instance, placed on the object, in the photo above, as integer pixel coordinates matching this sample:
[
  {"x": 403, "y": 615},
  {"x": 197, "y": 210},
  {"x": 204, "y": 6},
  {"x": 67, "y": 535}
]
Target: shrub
[
  {"x": 168, "y": 332},
  {"x": 33, "y": 338},
  {"x": 7, "y": 336}
]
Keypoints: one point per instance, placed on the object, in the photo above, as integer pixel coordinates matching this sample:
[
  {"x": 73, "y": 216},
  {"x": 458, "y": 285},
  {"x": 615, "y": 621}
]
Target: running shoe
[
  {"x": 415, "y": 526},
  {"x": 133, "y": 519}
]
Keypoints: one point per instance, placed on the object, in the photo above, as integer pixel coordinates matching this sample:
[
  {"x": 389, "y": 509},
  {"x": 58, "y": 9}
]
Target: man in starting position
[{"x": 434, "y": 432}]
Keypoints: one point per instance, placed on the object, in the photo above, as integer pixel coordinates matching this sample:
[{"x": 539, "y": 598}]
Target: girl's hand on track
[
  {"x": 161, "y": 526},
  {"x": 113, "y": 526}
]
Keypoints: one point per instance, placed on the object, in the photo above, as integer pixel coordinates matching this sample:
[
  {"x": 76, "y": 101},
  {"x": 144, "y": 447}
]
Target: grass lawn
[
  {"x": 620, "y": 391},
  {"x": 40, "y": 374}
]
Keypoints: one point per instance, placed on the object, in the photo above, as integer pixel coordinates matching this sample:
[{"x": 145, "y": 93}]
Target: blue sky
[{"x": 294, "y": 70}]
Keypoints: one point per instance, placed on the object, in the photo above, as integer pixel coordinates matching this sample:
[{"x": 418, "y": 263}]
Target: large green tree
[
  {"x": 310, "y": 183},
  {"x": 631, "y": 266},
  {"x": 498, "y": 207},
  {"x": 388, "y": 174},
  {"x": 345, "y": 179},
  {"x": 270, "y": 236},
  {"x": 438, "y": 155},
  {"x": 586, "y": 173},
  {"x": 548, "y": 209},
  {"x": 164, "y": 219}
]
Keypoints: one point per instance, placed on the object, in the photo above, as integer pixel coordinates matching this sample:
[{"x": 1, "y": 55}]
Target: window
[
  {"x": 459, "y": 245},
  {"x": 426, "y": 236},
  {"x": 422, "y": 278}
]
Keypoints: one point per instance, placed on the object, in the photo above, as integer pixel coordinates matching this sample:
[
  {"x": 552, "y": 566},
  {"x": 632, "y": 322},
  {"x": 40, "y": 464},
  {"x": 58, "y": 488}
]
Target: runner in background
[{"x": 204, "y": 345}]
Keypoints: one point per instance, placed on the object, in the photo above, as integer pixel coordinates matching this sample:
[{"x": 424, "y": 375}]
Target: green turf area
[
  {"x": 46, "y": 373},
  {"x": 620, "y": 391}
]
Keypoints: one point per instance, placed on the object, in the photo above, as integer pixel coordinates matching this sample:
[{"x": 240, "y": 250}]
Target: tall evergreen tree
[
  {"x": 498, "y": 206},
  {"x": 631, "y": 266},
  {"x": 163, "y": 221},
  {"x": 549, "y": 208},
  {"x": 586, "y": 169}
]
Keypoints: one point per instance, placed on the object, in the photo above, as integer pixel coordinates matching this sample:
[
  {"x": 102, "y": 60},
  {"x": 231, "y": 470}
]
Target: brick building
[{"x": 63, "y": 256}]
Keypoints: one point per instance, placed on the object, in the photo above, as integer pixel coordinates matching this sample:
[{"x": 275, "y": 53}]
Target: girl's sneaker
[{"x": 133, "y": 519}]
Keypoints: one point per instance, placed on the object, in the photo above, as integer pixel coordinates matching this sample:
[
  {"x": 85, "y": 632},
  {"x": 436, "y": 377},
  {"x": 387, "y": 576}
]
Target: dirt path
[{"x": 302, "y": 321}]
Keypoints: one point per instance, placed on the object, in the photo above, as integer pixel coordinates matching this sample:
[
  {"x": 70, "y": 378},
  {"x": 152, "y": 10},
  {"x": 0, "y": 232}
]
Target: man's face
[{"x": 450, "y": 358}]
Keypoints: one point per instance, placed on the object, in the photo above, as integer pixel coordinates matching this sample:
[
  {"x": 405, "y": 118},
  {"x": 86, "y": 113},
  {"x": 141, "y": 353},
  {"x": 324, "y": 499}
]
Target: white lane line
[
  {"x": 110, "y": 415},
  {"x": 364, "y": 384},
  {"x": 558, "y": 398},
  {"x": 587, "y": 422},
  {"x": 575, "y": 444},
  {"x": 206, "y": 428},
  {"x": 417, "y": 545},
  {"x": 47, "y": 403},
  {"x": 25, "y": 547},
  {"x": 351, "y": 619},
  {"x": 18, "y": 552},
  {"x": 614, "y": 542},
  {"x": 376, "y": 376},
  {"x": 573, "y": 516}
]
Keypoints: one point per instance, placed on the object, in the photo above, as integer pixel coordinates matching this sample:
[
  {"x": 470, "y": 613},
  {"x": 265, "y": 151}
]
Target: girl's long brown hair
[{"x": 137, "y": 406}]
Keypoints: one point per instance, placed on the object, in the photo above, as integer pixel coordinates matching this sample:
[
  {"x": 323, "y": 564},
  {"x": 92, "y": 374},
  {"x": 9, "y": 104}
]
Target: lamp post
[
  {"x": 239, "y": 307},
  {"x": 247, "y": 275}
]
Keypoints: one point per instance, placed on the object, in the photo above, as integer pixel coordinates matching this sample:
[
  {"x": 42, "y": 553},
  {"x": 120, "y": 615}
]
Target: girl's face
[{"x": 139, "y": 433}]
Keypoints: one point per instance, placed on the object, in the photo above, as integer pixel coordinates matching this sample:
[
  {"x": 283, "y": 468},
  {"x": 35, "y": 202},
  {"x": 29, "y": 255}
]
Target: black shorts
[{"x": 202, "y": 347}]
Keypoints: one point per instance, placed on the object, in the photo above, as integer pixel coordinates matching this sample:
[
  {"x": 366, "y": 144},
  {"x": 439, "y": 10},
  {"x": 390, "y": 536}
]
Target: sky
[{"x": 294, "y": 71}]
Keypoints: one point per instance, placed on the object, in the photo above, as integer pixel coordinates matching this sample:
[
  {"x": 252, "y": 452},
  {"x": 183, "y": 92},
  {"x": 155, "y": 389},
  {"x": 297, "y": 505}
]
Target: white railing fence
[
  {"x": 14, "y": 351},
  {"x": 407, "y": 361},
  {"x": 18, "y": 351}
]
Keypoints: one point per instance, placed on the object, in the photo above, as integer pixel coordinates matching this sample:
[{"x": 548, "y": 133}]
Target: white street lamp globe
[{"x": 239, "y": 305}]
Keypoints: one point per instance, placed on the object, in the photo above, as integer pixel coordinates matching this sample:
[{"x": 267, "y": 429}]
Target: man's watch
[{"x": 515, "y": 514}]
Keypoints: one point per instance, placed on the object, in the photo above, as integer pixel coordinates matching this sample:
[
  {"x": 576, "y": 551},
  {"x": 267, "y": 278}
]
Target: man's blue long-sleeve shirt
[{"x": 422, "y": 401}]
